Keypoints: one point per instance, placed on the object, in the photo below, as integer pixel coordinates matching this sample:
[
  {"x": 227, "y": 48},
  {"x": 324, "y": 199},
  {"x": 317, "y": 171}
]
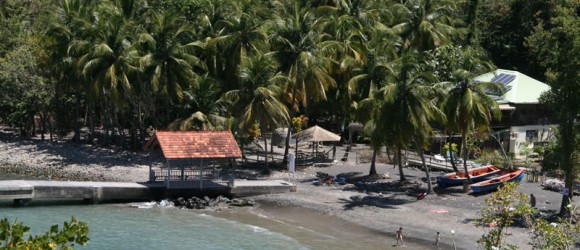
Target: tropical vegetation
[{"x": 16, "y": 235}]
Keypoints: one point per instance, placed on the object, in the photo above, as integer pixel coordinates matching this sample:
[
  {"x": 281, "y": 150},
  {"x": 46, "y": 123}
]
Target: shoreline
[
  {"x": 381, "y": 208},
  {"x": 312, "y": 228}
]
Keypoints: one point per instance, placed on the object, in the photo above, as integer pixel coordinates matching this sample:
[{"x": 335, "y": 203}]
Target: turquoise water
[
  {"x": 123, "y": 226},
  {"x": 119, "y": 226}
]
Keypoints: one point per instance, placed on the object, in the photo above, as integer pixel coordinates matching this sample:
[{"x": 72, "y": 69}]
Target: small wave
[
  {"x": 258, "y": 229},
  {"x": 153, "y": 204}
]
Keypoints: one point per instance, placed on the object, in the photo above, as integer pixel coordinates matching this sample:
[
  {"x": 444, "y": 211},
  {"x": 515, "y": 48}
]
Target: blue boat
[
  {"x": 476, "y": 174},
  {"x": 494, "y": 183}
]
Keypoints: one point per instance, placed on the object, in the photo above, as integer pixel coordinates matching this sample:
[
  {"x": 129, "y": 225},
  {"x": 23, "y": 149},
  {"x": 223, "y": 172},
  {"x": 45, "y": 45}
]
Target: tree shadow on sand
[
  {"x": 378, "y": 193},
  {"x": 383, "y": 201},
  {"x": 449, "y": 191}
]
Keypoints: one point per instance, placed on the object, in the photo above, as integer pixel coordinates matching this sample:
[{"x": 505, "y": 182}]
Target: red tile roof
[{"x": 195, "y": 144}]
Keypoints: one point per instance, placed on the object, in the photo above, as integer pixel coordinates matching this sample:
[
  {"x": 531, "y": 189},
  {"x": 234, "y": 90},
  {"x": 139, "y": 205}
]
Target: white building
[{"x": 525, "y": 122}]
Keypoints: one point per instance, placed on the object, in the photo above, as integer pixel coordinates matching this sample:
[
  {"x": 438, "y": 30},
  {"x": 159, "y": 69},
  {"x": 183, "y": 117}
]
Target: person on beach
[
  {"x": 437, "y": 239},
  {"x": 399, "y": 234},
  {"x": 532, "y": 201}
]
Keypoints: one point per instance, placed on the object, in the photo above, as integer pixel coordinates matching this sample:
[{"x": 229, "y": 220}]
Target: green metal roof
[{"x": 524, "y": 89}]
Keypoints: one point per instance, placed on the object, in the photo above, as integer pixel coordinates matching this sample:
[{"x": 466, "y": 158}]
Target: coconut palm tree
[
  {"x": 469, "y": 106},
  {"x": 424, "y": 24},
  {"x": 108, "y": 61},
  {"x": 168, "y": 56},
  {"x": 407, "y": 107},
  {"x": 202, "y": 106},
  {"x": 66, "y": 40},
  {"x": 239, "y": 36},
  {"x": 261, "y": 97},
  {"x": 297, "y": 46}
]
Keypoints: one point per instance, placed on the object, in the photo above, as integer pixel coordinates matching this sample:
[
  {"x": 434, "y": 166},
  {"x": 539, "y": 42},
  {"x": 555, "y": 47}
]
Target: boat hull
[
  {"x": 495, "y": 183},
  {"x": 476, "y": 174}
]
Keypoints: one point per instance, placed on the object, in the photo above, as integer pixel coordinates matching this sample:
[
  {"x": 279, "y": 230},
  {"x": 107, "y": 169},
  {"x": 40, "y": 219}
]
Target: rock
[{"x": 242, "y": 203}]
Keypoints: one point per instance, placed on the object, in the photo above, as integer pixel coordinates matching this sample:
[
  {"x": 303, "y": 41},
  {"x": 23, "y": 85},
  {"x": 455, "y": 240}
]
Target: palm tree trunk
[
  {"x": 77, "y": 133},
  {"x": 287, "y": 144},
  {"x": 422, "y": 155},
  {"x": 400, "y": 163},
  {"x": 388, "y": 154},
  {"x": 265, "y": 149},
  {"x": 42, "y": 125},
  {"x": 451, "y": 159},
  {"x": 373, "y": 170},
  {"x": 91, "y": 112},
  {"x": 465, "y": 153},
  {"x": 568, "y": 159}
]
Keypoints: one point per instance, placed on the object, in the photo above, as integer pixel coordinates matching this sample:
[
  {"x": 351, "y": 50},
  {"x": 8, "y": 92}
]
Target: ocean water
[
  {"x": 148, "y": 226},
  {"x": 153, "y": 226},
  {"x": 120, "y": 226}
]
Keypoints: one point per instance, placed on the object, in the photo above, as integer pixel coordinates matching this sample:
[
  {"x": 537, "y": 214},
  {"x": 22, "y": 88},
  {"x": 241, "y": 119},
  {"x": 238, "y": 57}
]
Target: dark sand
[
  {"x": 320, "y": 231},
  {"x": 340, "y": 214}
]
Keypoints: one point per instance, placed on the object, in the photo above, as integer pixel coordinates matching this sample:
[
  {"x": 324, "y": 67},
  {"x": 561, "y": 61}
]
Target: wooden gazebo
[{"x": 194, "y": 159}]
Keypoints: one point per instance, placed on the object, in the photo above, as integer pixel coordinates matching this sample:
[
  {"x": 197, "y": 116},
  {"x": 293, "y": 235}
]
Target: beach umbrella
[{"x": 315, "y": 134}]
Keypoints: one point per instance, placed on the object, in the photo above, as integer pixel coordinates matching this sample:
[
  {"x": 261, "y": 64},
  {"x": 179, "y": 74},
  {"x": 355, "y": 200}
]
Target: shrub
[{"x": 73, "y": 232}]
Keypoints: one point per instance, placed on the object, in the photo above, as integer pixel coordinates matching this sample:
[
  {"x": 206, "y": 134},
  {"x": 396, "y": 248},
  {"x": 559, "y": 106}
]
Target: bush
[{"x": 73, "y": 232}]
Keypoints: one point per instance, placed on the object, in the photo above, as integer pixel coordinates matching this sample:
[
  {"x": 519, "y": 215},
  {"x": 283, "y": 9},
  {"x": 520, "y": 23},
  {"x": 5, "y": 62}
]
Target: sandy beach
[{"x": 377, "y": 210}]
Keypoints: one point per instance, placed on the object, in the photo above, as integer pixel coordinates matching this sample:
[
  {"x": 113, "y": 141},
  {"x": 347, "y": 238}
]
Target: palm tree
[
  {"x": 468, "y": 104},
  {"x": 66, "y": 41},
  {"x": 202, "y": 105},
  {"x": 107, "y": 63},
  {"x": 407, "y": 108},
  {"x": 370, "y": 77},
  {"x": 424, "y": 24},
  {"x": 297, "y": 47},
  {"x": 260, "y": 98},
  {"x": 239, "y": 36},
  {"x": 168, "y": 56}
]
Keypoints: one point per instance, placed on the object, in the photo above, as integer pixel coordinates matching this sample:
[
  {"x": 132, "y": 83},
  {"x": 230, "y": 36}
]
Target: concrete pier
[{"x": 23, "y": 191}]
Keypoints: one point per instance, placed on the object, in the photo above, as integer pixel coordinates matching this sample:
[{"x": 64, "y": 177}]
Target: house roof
[
  {"x": 522, "y": 89},
  {"x": 195, "y": 144}
]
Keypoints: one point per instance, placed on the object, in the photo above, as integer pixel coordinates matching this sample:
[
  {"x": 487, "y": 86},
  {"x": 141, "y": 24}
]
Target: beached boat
[
  {"x": 494, "y": 183},
  {"x": 476, "y": 174}
]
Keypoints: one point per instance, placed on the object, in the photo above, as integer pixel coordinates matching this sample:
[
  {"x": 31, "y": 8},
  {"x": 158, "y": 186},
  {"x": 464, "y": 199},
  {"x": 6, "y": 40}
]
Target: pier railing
[{"x": 191, "y": 178}]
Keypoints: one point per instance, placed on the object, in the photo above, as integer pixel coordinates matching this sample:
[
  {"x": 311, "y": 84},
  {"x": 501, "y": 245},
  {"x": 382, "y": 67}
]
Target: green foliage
[
  {"x": 504, "y": 206},
  {"x": 24, "y": 89},
  {"x": 495, "y": 158},
  {"x": 12, "y": 236},
  {"x": 503, "y": 26},
  {"x": 453, "y": 149},
  {"x": 562, "y": 234},
  {"x": 551, "y": 156},
  {"x": 556, "y": 44},
  {"x": 539, "y": 150},
  {"x": 297, "y": 124},
  {"x": 525, "y": 150}
]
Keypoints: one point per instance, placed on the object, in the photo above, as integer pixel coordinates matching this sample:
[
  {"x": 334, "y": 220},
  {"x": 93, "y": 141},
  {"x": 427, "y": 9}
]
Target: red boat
[
  {"x": 494, "y": 183},
  {"x": 476, "y": 174}
]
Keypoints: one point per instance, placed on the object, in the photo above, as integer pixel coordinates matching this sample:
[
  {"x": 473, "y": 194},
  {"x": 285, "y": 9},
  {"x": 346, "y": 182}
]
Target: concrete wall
[{"x": 520, "y": 135}]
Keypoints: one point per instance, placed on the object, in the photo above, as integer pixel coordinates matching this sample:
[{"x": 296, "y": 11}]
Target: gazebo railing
[{"x": 190, "y": 178}]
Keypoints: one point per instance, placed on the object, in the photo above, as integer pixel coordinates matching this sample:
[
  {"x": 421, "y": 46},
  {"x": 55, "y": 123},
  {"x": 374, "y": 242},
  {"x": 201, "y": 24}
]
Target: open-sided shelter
[
  {"x": 316, "y": 134},
  {"x": 194, "y": 159}
]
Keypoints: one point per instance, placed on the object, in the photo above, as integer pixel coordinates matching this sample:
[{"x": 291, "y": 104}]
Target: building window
[{"x": 531, "y": 135}]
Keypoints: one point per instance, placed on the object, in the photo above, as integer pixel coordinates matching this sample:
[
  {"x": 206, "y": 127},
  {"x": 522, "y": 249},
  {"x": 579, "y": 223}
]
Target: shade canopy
[{"x": 315, "y": 134}]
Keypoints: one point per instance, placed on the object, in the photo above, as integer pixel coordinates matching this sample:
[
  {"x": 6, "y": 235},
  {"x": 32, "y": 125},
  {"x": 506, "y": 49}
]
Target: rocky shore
[
  {"x": 67, "y": 161},
  {"x": 382, "y": 205}
]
